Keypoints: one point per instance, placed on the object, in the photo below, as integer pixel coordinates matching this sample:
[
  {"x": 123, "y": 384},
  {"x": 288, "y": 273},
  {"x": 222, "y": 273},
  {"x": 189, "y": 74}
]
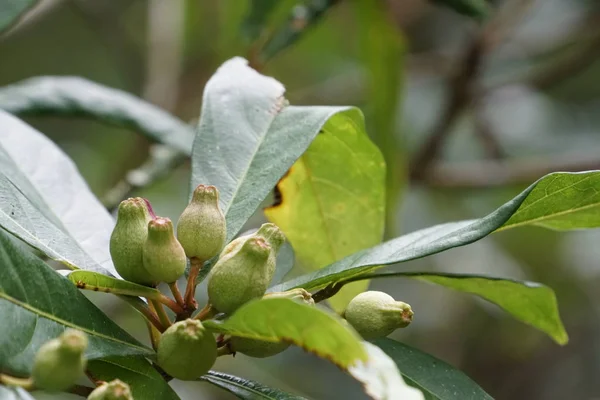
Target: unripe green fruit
[
  {"x": 113, "y": 390},
  {"x": 128, "y": 238},
  {"x": 59, "y": 363},
  {"x": 241, "y": 276},
  {"x": 376, "y": 314},
  {"x": 201, "y": 227},
  {"x": 187, "y": 350},
  {"x": 260, "y": 348},
  {"x": 164, "y": 258}
]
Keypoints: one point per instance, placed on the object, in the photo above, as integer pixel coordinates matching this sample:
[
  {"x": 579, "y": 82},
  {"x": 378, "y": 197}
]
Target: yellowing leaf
[{"x": 333, "y": 198}]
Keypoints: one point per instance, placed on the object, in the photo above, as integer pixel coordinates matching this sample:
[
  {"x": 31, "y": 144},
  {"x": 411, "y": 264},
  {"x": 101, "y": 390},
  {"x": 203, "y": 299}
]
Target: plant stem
[
  {"x": 224, "y": 350},
  {"x": 190, "y": 290},
  {"x": 207, "y": 312},
  {"x": 80, "y": 390},
  {"x": 176, "y": 308},
  {"x": 177, "y": 294},
  {"x": 160, "y": 311},
  {"x": 146, "y": 311},
  {"x": 25, "y": 383}
]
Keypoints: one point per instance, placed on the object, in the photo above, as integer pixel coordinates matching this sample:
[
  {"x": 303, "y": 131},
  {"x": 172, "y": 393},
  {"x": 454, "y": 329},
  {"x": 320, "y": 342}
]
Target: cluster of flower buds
[{"x": 113, "y": 390}]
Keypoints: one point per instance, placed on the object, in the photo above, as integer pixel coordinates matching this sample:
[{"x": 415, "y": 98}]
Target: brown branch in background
[
  {"x": 462, "y": 86},
  {"x": 486, "y": 174},
  {"x": 487, "y": 136}
]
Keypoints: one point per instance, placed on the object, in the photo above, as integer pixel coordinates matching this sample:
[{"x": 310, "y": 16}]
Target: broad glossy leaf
[
  {"x": 245, "y": 389},
  {"x": 478, "y": 9},
  {"x": 14, "y": 393},
  {"x": 381, "y": 378},
  {"x": 101, "y": 283},
  {"x": 311, "y": 328},
  {"x": 530, "y": 302},
  {"x": 333, "y": 198},
  {"x": 46, "y": 176},
  {"x": 435, "y": 377},
  {"x": 25, "y": 221},
  {"x": 580, "y": 187},
  {"x": 73, "y": 96},
  {"x": 247, "y": 139},
  {"x": 12, "y": 10},
  {"x": 40, "y": 304},
  {"x": 145, "y": 382}
]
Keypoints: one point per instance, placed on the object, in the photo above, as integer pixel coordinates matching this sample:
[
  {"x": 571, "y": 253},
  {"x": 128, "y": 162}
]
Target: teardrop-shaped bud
[
  {"x": 113, "y": 390},
  {"x": 128, "y": 238},
  {"x": 59, "y": 363},
  {"x": 241, "y": 276},
  {"x": 201, "y": 227},
  {"x": 376, "y": 314},
  {"x": 164, "y": 258},
  {"x": 259, "y": 348},
  {"x": 187, "y": 350}
]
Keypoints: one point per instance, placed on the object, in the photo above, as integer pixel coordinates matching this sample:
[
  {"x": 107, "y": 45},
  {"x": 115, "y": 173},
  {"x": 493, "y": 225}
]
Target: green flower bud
[
  {"x": 260, "y": 348},
  {"x": 270, "y": 233},
  {"x": 128, "y": 238},
  {"x": 164, "y": 258},
  {"x": 376, "y": 314},
  {"x": 241, "y": 276},
  {"x": 187, "y": 350},
  {"x": 113, "y": 390},
  {"x": 59, "y": 363},
  {"x": 201, "y": 227}
]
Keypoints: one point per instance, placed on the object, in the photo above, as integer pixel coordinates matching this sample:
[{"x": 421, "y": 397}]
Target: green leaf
[
  {"x": 40, "y": 305},
  {"x": 308, "y": 327},
  {"x": 101, "y": 283},
  {"x": 317, "y": 331},
  {"x": 530, "y": 302},
  {"x": 333, "y": 198},
  {"x": 245, "y": 389},
  {"x": 14, "y": 393},
  {"x": 247, "y": 139},
  {"x": 145, "y": 382},
  {"x": 35, "y": 168},
  {"x": 22, "y": 219},
  {"x": 258, "y": 16},
  {"x": 71, "y": 96},
  {"x": 562, "y": 195},
  {"x": 381, "y": 378},
  {"x": 478, "y": 9},
  {"x": 435, "y": 377},
  {"x": 12, "y": 10},
  {"x": 560, "y": 201}
]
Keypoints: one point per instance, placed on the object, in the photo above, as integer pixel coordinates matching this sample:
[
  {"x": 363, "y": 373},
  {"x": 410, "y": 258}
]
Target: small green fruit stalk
[
  {"x": 60, "y": 363},
  {"x": 241, "y": 276},
  {"x": 201, "y": 227},
  {"x": 376, "y": 314},
  {"x": 187, "y": 350},
  {"x": 113, "y": 390},
  {"x": 164, "y": 258},
  {"x": 128, "y": 238},
  {"x": 262, "y": 349}
]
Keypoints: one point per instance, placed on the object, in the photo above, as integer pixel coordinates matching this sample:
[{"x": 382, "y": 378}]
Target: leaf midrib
[
  {"x": 218, "y": 378},
  {"x": 61, "y": 321},
  {"x": 545, "y": 217}
]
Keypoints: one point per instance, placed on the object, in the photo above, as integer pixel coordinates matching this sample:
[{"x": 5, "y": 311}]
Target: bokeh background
[{"x": 467, "y": 112}]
